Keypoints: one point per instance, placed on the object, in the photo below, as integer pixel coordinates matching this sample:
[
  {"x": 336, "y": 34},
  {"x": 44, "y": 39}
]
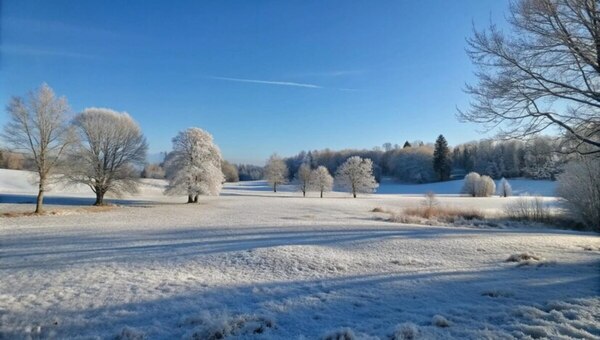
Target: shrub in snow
[
  {"x": 523, "y": 257},
  {"x": 440, "y": 321},
  {"x": 213, "y": 327},
  {"x": 340, "y": 334},
  {"x": 478, "y": 186},
  {"x": 504, "y": 189},
  {"x": 303, "y": 178},
  {"x": 528, "y": 209},
  {"x": 194, "y": 165},
  {"x": 276, "y": 172},
  {"x": 430, "y": 200},
  {"x": 321, "y": 180},
  {"x": 356, "y": 176},
  {"x": 406, "y": 331},
  {"x": 129, "y": 334},
  {"x": 470, "y": 184},
  {"x": 579, "y": 185},
  {"x": 486, "y": 186}
]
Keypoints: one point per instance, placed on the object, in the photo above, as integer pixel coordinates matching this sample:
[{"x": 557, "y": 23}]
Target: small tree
[
  {"x": 38, "y": 126},
  {"x": 303, "y": 178},
  {"x": 110, "y": 149},
  {"x": 406, "y": 145},
  {"x": 321, "y": 180},
  {"x": 579, "y": 185},
  {"x": 356, "y": 176},
  {"x": 276, "y": 172},
  {"x": 194, "y": 165},
  {"x": 504, "y": 190},
  {"x": 470, "y": 184}
]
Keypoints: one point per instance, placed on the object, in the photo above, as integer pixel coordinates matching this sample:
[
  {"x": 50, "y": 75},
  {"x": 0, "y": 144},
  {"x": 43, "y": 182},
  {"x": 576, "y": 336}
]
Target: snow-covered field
[{"x": 253, "y": 264}]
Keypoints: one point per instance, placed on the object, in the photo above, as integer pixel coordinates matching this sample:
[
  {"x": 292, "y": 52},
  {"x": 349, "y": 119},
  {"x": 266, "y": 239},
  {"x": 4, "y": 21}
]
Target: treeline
[{"x": 536, "y": 158}]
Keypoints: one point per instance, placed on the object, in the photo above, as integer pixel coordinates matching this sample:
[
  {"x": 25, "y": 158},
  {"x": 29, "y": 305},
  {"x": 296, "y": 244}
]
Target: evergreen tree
[
  {"x": 442, "y": 162},
  {"x": 406, "y": 145}
]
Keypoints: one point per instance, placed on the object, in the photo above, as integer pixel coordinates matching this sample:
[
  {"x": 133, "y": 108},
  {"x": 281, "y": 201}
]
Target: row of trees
[
  {"x": 104, "y": 150},
  {"x": 99, "y": 148},
  {"x": 355, "y": 175},
  {"x": 538, "y": 158}
]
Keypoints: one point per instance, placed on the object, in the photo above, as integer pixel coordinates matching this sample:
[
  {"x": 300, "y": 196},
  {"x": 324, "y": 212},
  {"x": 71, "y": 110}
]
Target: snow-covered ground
[{"x": 253, "y": 264}]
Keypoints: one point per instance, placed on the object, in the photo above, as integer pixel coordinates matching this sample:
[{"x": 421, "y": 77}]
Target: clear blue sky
[{"x": 261, "y": 76}]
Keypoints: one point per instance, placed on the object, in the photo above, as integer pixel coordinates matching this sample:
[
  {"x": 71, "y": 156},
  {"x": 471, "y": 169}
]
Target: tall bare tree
[
  {"x": 38, "y": 125},
  {"x": 111, "y": 147},
  {"x": 544, "y": 74}
]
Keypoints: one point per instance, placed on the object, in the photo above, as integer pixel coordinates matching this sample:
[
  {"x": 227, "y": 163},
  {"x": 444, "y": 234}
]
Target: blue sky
[{"x": 261, "y": 76}]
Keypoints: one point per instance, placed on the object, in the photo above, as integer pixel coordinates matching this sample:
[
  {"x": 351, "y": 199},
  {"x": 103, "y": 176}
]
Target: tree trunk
[
  {"x": 321, "y": 193},
  {"x": 99, "y": 197},
  {"x": 354, "y": 194},
  {"x": 39, "y": 201},
  {"x": 196, "y": 199},
  {"x": 190, "y": 199},
  {"x": 274, "y": 187},
  {"x": 303, "y": 193}
]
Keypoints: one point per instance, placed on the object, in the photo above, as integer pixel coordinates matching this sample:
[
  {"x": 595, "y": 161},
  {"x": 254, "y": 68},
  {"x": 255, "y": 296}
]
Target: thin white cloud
[
  {"x": 267, "y": 82},
  {"x": 335, "y": 73},
  {"x": 34, "y": 51}
]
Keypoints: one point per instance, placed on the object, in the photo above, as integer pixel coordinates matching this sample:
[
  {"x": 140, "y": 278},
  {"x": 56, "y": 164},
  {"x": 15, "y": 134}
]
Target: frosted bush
[
  {"x": 406, "y": 331},
  {"x": 440, "y": 321},
  {"x": 340, "y": 334},
  {"x": 579, "y": 185}
]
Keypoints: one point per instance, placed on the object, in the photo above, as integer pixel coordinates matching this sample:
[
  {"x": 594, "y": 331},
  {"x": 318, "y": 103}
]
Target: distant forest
[
  {"x": 412, "y": 162},
  {"x": 536, "y": 158}
]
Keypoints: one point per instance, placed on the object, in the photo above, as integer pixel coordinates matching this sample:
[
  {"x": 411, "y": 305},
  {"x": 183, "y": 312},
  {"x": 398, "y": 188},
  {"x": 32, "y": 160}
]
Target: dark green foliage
[{"x": 442, "y": 161}]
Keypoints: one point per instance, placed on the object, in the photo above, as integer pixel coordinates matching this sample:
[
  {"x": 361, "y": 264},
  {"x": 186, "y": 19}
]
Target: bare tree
[
  {"x": 356, "y": 175},
  {"x": 194, "y": 165},
  {"x": 321, "y": 180},
  {"x": 303, "y": 178},
  {"x": 38, "y": 125},
  {"x": 546, "y": 74},
  {"x": 276, "y": 172},
  {"x": 111, "y": 147}
]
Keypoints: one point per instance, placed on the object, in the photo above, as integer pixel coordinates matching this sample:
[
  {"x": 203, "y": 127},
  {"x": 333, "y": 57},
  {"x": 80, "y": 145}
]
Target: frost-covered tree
[
  {"x": 579, "y": 185},
  {"x": 111, "y": 146},
  {"x": 486, "y": 186},
  {"x": 356, "y": 176},
  {"x": 470, "y": 184},
  {"x": 38, "y": 126},
  {"x": 442, "y": 162},
  {"x": 504, "y": 189},
  {"x": 303, "y": 178},
  {"x": 230, "y": 172},
  {"x": 321, "y": 180},
  {"x": 478, "y": 186},
  {"x": 194, "y": 165},
  {"x": 276, "y": 172}
]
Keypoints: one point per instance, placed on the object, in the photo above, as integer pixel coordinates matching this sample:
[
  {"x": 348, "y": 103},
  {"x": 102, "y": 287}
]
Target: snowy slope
[{"x": 253, "y": 264}]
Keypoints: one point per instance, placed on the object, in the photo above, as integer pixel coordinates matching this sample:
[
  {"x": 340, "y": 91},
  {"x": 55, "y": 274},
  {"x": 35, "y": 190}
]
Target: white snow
[{"x": 254, "y": 264}]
